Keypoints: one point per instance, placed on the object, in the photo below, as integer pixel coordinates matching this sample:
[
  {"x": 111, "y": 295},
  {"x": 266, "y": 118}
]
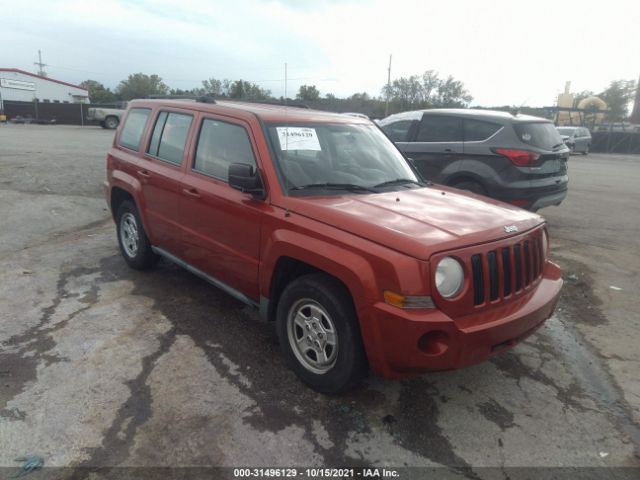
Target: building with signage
[{"x": 21, "y": 86}]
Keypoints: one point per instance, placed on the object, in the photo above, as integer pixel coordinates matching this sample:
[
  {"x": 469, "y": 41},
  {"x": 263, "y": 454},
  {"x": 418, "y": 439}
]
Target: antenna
[
  {"x": 41, "y": 65},
  {"x": 386, "y": 106}
]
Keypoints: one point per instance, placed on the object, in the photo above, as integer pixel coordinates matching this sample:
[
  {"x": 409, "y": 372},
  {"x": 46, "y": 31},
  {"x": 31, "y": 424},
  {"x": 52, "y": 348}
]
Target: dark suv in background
[{"x": 518, "y": 159}]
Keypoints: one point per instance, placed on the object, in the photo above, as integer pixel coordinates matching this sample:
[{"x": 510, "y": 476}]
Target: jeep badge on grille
[{"x": 510, "y": 228}]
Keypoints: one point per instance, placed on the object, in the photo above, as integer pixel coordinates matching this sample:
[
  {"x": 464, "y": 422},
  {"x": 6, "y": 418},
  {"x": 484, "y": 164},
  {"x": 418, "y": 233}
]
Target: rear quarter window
[
  {"x": 539, "y": 134},
  {"x": 478, "y": 130},
  {"x": 398, "y": 131},
  {"x": 133, "y": 128}
]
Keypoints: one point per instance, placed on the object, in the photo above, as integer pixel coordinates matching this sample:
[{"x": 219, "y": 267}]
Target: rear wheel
[
  {"x": 470, "y": 186},
  {"x": 134, "y": 244},
  {"x": 318, "y": 332},
  {"x": 111, "y": 123}
]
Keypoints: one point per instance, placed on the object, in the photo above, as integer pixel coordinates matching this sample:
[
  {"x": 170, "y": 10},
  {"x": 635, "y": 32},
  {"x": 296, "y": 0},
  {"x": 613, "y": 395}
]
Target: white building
[{"x": 20, "y": 86}]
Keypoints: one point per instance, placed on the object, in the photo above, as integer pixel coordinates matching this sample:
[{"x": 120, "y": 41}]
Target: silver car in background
[{"x": 578, "y": 139}]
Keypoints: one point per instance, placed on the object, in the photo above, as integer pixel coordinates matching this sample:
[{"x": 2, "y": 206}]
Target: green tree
[
  {"x": 451, "y": 93},
  {"x": 618, "y": 95},
  {"x": 242, "y": 89},
  {"x": 97, "y": 92},
  {"x": 430, "y": 83},
  {"x": 426, "y": 90},
  {"x": 212, "y": 87},
  {"x": 406, "y": 91},
  {"x": 308, "y": 92},
  {"x": 140, "y": 85}
]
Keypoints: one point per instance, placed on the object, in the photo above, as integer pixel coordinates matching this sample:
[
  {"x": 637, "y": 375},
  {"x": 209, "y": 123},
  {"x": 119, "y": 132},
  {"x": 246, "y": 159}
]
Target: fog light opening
[{"x": 434, "y": 343}]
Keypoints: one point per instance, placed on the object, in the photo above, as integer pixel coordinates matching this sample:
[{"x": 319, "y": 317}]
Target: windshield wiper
[
  {"x": 352, "y": 187},
  {"x": 398, "y": 181},
  {"x": 557, "y": 145}
]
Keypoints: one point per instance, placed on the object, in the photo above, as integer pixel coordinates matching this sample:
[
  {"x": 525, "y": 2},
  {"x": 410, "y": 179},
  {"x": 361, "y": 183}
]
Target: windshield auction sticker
[{"x": 298, "y": 138}]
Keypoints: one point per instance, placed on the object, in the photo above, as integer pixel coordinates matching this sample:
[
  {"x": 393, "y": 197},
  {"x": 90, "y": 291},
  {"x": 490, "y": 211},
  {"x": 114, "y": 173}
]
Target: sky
[{"x": 505, "y": 52}]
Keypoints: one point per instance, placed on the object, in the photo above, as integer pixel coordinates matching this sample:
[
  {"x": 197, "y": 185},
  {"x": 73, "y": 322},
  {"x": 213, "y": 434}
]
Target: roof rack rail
[
  {"x": 197, "y": 98},
  {"x": 267, "y": 102}
]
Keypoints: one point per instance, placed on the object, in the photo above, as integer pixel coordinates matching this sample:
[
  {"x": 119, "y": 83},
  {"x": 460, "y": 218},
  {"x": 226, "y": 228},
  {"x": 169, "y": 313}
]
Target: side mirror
[{"x": 243, "y": 177}]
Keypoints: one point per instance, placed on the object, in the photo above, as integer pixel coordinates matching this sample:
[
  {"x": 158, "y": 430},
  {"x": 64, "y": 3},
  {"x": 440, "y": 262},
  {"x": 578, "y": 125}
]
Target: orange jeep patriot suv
[{"x": 317, "y": 220}]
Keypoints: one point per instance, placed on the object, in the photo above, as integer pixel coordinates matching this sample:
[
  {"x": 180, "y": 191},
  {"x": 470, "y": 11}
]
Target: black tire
[
  {"x": 586, "y": 151},
  {"x": 142, "y": 257},
  {"x": 350, "y": 364},
  {"x": 470, "y": 186},
  {"x": 111, "y": 123}
]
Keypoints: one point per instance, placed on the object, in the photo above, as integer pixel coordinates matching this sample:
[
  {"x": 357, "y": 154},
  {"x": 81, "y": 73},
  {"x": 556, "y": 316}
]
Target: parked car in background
[
  {"x": 108, "y": 118},
  {"x": 318, "y": 221},
  {"x": 517, "y": 159},
  {"x": 578, "y": 139}
]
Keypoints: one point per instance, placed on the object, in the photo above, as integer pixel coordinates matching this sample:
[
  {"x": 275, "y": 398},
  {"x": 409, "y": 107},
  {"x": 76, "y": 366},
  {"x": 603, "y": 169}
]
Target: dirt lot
[{"x": 104, "y": 366}]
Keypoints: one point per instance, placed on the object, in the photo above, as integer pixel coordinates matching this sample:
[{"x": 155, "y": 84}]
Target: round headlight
[
  {"x": 449, "y": 277},
  {"x": 545, "y": 244}
]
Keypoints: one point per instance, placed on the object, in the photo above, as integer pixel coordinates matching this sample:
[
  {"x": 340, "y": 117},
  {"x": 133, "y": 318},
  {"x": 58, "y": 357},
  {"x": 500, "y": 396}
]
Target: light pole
[{"x": 386, "y": 106}]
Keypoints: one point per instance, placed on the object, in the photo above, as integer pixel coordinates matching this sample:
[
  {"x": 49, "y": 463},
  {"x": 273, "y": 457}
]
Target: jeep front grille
[{"x": 499, "y": 272}]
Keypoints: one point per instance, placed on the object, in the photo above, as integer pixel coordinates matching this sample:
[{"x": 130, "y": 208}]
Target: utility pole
[
  {"x": 386, "y": 106},
  {"x": 41, "y": 65},
  {"x": 635, "y": 113}
]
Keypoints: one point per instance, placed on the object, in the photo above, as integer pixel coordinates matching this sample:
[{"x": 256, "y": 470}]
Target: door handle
[
  {"x": 192, "y": 192},
  {"x": 448, "y": 150},
  {"x": 144, "y": 173}
]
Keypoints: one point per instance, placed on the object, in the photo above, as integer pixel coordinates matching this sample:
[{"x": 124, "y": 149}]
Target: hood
[{"x": 418, "y": 222}]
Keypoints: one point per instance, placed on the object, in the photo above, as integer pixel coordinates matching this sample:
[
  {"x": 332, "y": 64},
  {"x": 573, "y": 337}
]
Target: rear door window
[
  {"x": 219, "y": 145},
  {"x": 539, "y": 134},
  {"x": 478, "y": 130},
  {"x": 170, "y": 136},
  {"x": 439, "y": 128},
  {"x": 398, "y": 131},
  {"x": 134, "y": 128}
]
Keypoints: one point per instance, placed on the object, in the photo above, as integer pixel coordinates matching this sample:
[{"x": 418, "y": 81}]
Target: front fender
[{"x": 352, "y": 269}]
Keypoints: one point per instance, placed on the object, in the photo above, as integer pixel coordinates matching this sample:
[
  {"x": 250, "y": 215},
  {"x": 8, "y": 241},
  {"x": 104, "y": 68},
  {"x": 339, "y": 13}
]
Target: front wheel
[
  {"x": 318, "y": 332},
  {"x": 586, "y": 150}
]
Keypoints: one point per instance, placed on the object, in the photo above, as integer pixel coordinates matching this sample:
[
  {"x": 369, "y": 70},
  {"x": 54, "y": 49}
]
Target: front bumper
[{"x": 407, "y": 342}]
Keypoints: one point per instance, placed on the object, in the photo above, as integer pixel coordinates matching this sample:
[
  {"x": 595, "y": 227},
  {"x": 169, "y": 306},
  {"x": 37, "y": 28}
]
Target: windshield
[
  {"x": 343, "y": 157},
  {"x": 566, "y": 131}
]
